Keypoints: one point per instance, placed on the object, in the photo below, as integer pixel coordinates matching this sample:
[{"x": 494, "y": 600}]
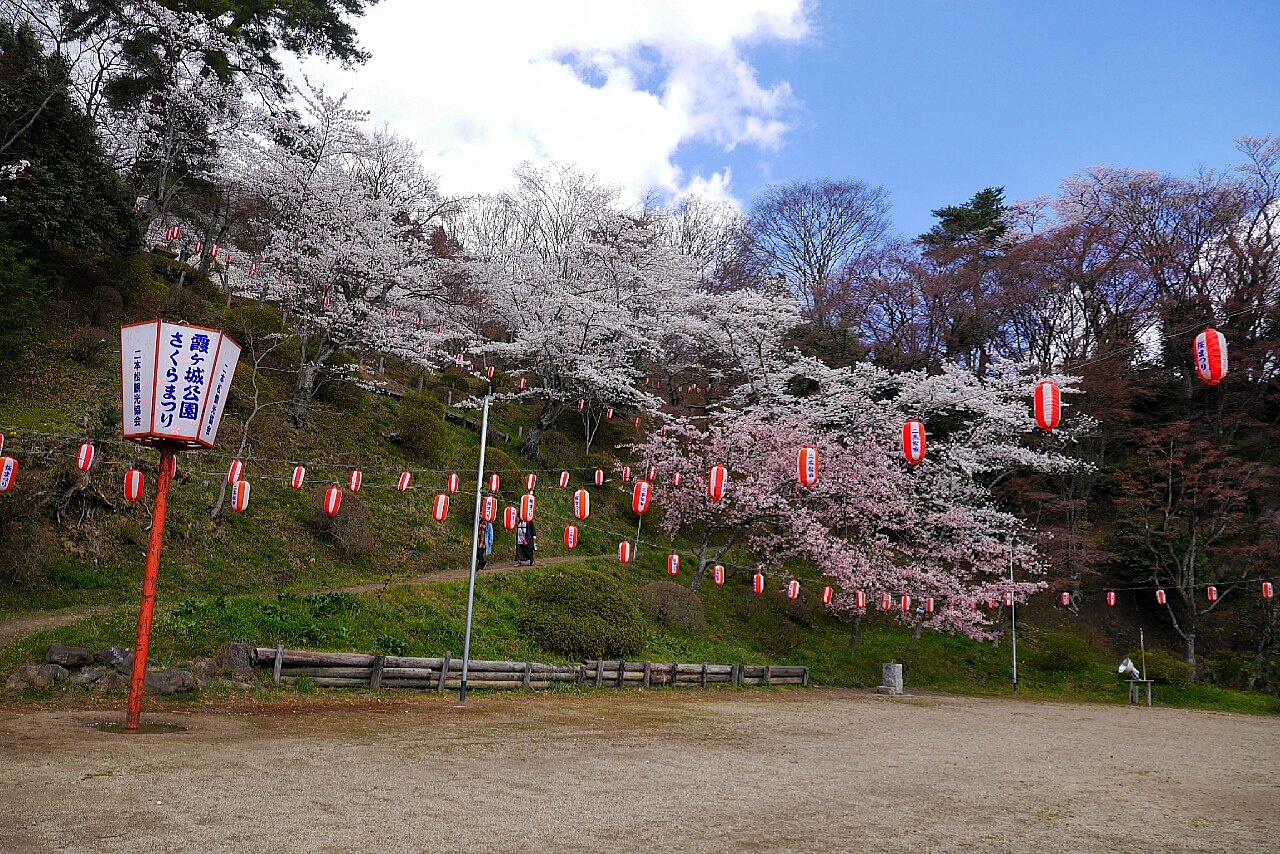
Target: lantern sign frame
[{"x": 174, "y": 384}]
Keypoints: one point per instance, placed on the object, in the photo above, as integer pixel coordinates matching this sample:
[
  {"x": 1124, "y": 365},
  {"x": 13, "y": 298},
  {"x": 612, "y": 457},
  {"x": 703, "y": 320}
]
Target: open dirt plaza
[{"x": 820, "y": 770}]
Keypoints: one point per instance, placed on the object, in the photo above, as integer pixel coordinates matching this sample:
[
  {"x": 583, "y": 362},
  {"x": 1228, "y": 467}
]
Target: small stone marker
[{"x": 892, "y": 679}]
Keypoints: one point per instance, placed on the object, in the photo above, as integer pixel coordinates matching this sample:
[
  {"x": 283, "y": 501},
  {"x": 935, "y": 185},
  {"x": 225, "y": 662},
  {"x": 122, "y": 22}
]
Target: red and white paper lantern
[
  {"x": 489, "y": 373},
  {"x": 489, "y": 508},
  {"x": 240, "y": 495},
  {"x": 860, "y": 598},
  {"x": 717, "y": 575},
  {"x": 1048, "y": 405},
  {"x": 886, "y": 602},
  {"x": 494, "y": 482},
  {"x": 582, "y": 404},
  {"x": 637, "y": 422},
  {"x": 1065, "y": 598},
  {"x": 1008, "y": 598},
  {"x": 828, "y": 595},
  {"x": 807, "y": 466},
  {"x": 454, "y": 483},
  {"x": 236, "y": 471},
  {"x": 626, "y": 474},
  {"x": 757, "y": 583},
  {"x": 581, "y": 504},
  {"x": 571, "y": 537},
  {"x": 928, "y": 604},
  {"x": 509, "y": 518},
  {"x": 793, "y": 589},
  {"x": 913, "y": 441},
  {"x": 134, "y": 481},
  {"x": 1268, "y": 591},
  {"x": 673, "y": 564},
  {"x": 528, "y": 504},
  {"x": 1161, "y": 597},
  {"x": 356, "y": 479},
  {"x": 530, "y": 481},
  {"x": 653, "y": 474},
  {"x": 299, "y": 477},
  {"x": 608, "y": 413},
  {"x": 440, "y": 507},
  {"x": 640, "y": 497},
  {"x": 624, "y": 552},
  {"x": 1212, "y": 592},
  {"x": 406, "y": 479},
  {"x": 564, "y": 479},
  {"x": 1111, "y": 598},
  {"x": 716, "y": 481},
  {"x": 906, "y": 603},
  {"x": 332, "y": 501},
  {"x": 84, "y": 459},
  {"x": 677, "y": 479},
  {"x": 599, "y": 477},
  {"x": 524, "y": 383},
  {"x": 1210, "y": 353}
]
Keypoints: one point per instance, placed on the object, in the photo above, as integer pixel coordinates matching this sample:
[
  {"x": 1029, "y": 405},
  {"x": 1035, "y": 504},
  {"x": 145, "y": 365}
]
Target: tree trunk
[
  {"x": 1189, "y": 653},
  {"x": 853, "y": 635},
  {"x": 702, "y": 560},
  {"x": 550, "y": 414}
]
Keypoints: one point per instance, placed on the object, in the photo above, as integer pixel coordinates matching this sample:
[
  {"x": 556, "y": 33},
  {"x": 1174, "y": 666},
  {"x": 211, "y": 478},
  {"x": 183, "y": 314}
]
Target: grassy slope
[{"x": 240, "y": 577}]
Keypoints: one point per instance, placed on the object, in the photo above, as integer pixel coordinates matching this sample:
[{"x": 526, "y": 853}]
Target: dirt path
[
  {"x": 663, "y": 770},
  {"x": 493, "y": 568},
  {"x": 15, "y": 629}
]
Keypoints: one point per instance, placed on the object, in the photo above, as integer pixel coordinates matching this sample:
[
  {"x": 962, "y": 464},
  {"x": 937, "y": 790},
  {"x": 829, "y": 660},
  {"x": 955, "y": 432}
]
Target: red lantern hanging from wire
[
  {"x": 582, "y": 404},
  {"x": 1048, "y": 405},
  {"x": 609, "y": 413},
  {"x": 1111, "y": 598},
  {"x": 240, "y": 495},
  {"x": 624, "y": 552},
  {"x": 235, "y": 471},
  {"x": 530, "y": 481},
  {"x": 906, "y": 603},
  {"x": 1065, "y": 599},
  {"x": 528, "y": 504},
  {"x": 1212, "y": 593},
  {"x": 793, "y": 589},
  {"x": 509, "y": 518},
  {"x": 1008, "y": 598},
  {"x": 673, "y": 564},
  {"x": 134, "y": 481},
  {"x": 913, "y": 441},
  {"x": 357, "y": 478},
  {"x": 928, "y": 605},
  {"x": 677, "y": 479},
  {"x": 84, "y": 459},
  {"x": 581, "y": 504},
  {"x": 524, "y": 383},
  {"x": 440, "y": 507},
  {"x": 332, "y": 501},
  {"x": 489, "y": 508},
  {"x": 599, "y": 477},
  {"x": 626, "y": 474},
  {"x": 454, "y": 483},
  {"x": 828, "y": 595},
  {"x": 1161, "y": 597},
  {"x": 860, "y": 598},
  {"x": 494, "y": 482},
  {"x": 406, "y": 479},
  {"x": 571, "y": 537},
  {"x": 640, "y": 497},
  {"x": 1267, "y": 590},
  {"x": 1210, "y": 353},
  {"x": 716, "y": 481},
  {"x": 717, "y": 575},
  {"x": 637, "y": 422},
  {"x": 807, "y": 466},
  {"x": 757, "y": 583},
  {"x": 564, "y": 479},
  {"x": 488, "y": 373},
  {"x": 299, "y": 477},
  {"x": 886, "y": 602}
]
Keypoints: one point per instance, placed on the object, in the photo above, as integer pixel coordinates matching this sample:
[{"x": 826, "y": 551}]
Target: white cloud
[{"x": 613, "y": 88}]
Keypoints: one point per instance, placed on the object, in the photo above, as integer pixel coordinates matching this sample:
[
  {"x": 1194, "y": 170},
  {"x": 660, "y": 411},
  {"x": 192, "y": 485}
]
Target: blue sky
[
  {"x": 936, "y": 100},
  {"x": 933, "y": 100}
]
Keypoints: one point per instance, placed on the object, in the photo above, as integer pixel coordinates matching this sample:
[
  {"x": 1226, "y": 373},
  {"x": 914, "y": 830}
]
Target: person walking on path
[
  {"x": 484, "y": 545},
  {"x": 526, "y": 542}
]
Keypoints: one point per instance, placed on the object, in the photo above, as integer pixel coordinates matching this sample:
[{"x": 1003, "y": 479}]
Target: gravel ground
[{"x": 821, "y": 770}]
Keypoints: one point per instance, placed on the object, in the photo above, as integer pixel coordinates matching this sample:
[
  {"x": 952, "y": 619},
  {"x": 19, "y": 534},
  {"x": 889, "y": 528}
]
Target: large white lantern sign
[{"x": 175, "y": 382}]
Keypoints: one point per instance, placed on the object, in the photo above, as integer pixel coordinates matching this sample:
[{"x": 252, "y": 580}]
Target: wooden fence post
[
  {"x": 671, "y": 677},
  {"x": 444, "y": 673},
  {"x": 702, "y": 683},
  {"x": 805, "y": 680},
  {"x": 375, "y": 673},
  {"x": 622, "y": 668},
  {"x": 735, "y": 675},
  {"x": 275, "y": 671},
  {"x": 768, "y": 671},
  {"x": 648, "y": 667},
  {"x": 528, "y": 669},
  {"x": 599, "y": 672}
]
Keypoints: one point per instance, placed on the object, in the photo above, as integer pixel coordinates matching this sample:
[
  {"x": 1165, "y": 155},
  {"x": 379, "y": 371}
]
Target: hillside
[{"x": 272, "y": 575}]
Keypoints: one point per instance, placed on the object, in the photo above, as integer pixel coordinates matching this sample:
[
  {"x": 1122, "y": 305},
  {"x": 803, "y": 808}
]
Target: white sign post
[{"x": 174, "y": 385}]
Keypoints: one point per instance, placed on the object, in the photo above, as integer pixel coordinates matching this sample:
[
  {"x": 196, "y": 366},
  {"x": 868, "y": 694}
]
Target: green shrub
[
  {"x": 350, "y": 529},
  {"x": 581, "y": 613},
  {"x": 392, "y": 645},
  {"x": 675, "y": 606},
  {"x": 419, "y": 428},
  {"x": 1062, "y": 652},
  {"x": 1163, "y": 668}
]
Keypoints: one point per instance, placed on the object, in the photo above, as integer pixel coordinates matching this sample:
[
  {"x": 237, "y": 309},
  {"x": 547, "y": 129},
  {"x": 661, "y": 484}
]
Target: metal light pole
[
  {"x": 475, "y": 546},
  {"x": 1013, "y": 619}
]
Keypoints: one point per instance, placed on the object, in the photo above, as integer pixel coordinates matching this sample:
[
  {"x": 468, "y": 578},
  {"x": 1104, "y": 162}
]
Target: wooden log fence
[{"x": 358, "y": 670}]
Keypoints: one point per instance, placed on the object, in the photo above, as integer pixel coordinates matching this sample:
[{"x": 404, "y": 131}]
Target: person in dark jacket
[{"x": 526, "y": 542}]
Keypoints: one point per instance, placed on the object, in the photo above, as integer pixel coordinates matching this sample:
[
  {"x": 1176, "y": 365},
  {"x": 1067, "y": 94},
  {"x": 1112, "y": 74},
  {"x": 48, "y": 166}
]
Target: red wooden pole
[{"x": 139, "y": 678}]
